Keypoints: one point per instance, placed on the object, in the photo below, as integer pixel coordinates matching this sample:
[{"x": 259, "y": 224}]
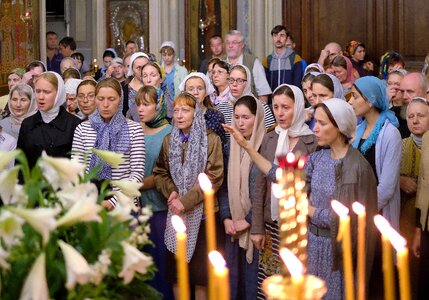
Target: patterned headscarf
[
  {"x": 113, "y": 136},
  {"x": 161, "y": 109},
  {"x": 384, "y": 63},
  {"x": 373, "y": 90},
  {"x": 352, "y": 47},
  {"x": 185, "y": 175}
]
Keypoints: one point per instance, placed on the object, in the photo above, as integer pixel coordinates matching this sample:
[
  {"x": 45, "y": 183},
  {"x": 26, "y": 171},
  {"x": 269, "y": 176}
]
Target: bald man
[{"x": 328, "y": 53}]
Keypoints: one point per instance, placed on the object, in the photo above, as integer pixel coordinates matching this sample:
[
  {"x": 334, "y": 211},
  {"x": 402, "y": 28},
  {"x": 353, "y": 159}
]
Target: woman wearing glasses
[
  {"x": 86, "y": 97},
  {"x": 240, "y": 80},
  {"x": 219, "y": 76}
]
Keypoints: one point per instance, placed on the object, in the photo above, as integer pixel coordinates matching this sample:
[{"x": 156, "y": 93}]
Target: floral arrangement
[{"x": 58, "y": 242}]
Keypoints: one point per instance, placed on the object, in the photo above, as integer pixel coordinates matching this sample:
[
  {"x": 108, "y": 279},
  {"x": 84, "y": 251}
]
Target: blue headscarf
[
  {"x": 113, "y": 136},
  {"x": 374, "y": 91}
]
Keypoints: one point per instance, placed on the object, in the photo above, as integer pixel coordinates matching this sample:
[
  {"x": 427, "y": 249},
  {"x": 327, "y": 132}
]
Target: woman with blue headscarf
[
  {"x": 378, "y": 139},
  {"x": 107, "y": 129}
]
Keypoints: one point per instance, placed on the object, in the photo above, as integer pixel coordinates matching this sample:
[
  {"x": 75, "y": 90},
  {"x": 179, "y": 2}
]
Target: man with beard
[
  {"x": 412, "y": 85},
  {"x": 283, "y": 65},
  {"x": 234, "y": 44}
]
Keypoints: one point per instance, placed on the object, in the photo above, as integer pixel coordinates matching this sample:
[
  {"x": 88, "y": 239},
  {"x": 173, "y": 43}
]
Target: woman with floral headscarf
[
  {"x": 152, "y": 111},
  {"x": 51, "y": 128},
  {"x": 355, "y": 51},
  {"x": 107, "y": 129},
  {"x": 379, "y": 141},
  {"x": 186, "y": 152}
]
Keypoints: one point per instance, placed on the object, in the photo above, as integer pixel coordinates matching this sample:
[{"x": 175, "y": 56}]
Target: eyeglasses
[
  {"x": 233, "y": 43},
  {"x": 239, "y": 81},
  {"x": 90, "y": 97}
]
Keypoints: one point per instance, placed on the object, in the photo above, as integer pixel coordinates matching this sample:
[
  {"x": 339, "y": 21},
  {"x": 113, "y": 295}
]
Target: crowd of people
[{"x": 363, "y": 131}]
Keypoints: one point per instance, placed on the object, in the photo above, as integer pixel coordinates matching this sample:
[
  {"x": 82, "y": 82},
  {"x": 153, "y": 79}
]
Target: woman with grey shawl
[{"x": 186, "y": 152}]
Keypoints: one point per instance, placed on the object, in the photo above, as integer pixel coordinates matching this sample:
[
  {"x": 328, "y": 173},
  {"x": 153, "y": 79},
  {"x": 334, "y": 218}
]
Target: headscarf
[
  {"x": 104, "y": 68},
  {"x": 350, "y": 76},
  {"x": 338, "y": 87},
  {"x": 132, "y": 59},
  {"x": 161, "y": 109},
  {"x": 248, "y": 84},
  {"x": 18, "y": 71},
  {"x": 71, "y": 85},
  {"x": 314, "y": 65},
  {"x": 31, "y": 109},
  {"x": 344, "y": 116},
  {"x": 209, "y": 86},
  {"x": 112, "y": 136},
  {"x": 352, "y": 47},
  {"x": 384, "y": 67},
  {"x": 184, "y": 175},
  {"x": 298, "y": 128},
  {"x": 374, "y": 91},
  {"x": 239, "y": 168},
  {"x": 48, "y": 116}
]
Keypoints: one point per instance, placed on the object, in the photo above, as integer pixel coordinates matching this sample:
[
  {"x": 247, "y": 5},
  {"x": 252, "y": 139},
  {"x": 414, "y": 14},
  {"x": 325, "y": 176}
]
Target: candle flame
[
  {"x": 279, "y": 174},
  {"x": 301, "y": 163},
  {"x": 358, "y": 208},
  {"x": 397, "y": 241},
  {"x": 217, "y": 260},
  {"x": 290, "y": 157},
  {"x": 277, "y": 190},
  {"x": 292, "y": 262},
  {"x": 339, "y": 208},
  {"x": 204, "y": 181},
  {"x": 178, "y": 224}
]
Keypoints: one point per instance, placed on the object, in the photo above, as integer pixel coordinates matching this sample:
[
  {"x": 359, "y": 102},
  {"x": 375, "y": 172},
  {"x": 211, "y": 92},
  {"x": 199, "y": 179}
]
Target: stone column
[{"x": 273, "y": 17}]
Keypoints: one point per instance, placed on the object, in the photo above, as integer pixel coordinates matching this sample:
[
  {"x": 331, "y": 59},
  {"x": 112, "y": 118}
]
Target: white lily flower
[
  {"x": 6, "y": 157},
  {"x": 133, "y": 261},
  {"x": 10, "y": 227},
  {"x": 129, "y": 187},
  {"x": 35, "y": 286},
  {"x": 125, "y": 200},
  {"x": 41, "y": 219},
  {"x": 112, "y": 158},
  {"x": 60, "y": 172},
  {"x": 121, "y": 213},
  {"x": 83, "y": 210},
  {"x": 71, "y": 194},
  {"x": 77, "y": 267},
  {"x": 3, "y": 259},
  {"x": 8, "y": 179}
]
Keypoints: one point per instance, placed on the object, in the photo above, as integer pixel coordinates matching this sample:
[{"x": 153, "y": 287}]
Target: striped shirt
[
  {"x": 134, "y": 160},
  {"x": 226, "y": 108}
]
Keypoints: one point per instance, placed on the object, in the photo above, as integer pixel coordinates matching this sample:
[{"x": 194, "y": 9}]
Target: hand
[
  {"x": 324, "y": 54},
  {"x": 311, "y": 210},
  {"x": 391, "y": 92},
  {"x": 229, "y": 227},
  {"x": 258, "y": 240},
  {"x": 107, "y": 204},
  {"x": 176, "y": 206},
  {"x": 109, "y": 71},
  {"x": 173, "y": 195},
  {"x": 27, "y": 77},
  {"x": 238, "y": 137},
  {"x": 408, "y": 185},
  {"x": 416, "y": 242},
  {"x": 241, "y": 225},
  {"x": 369, "y": 66},
  {"x": 308, "y": 115}
]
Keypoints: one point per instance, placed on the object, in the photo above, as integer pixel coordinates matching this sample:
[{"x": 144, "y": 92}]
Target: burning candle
[
  {"x": 221, "y": 274},
  {"x": 384, "y": 228},
  {"x": 359, "y": 209},
  {"x": 296, "y": 269},
  {"x": 182, "y": 266},
  {"x": 399, "y": 243},
  {"x": 206, "y": 186},
  {"x": 344, "y": 235}
]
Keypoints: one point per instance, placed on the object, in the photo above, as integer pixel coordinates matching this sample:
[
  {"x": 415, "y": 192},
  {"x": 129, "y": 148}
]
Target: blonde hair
[
  {"x": 49, "y": 77},
  {"x": 185, "y": 98},
  {"x": 109, "y": 83}
]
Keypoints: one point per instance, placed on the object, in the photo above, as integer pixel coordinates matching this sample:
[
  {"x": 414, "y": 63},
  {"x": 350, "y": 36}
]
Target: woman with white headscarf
[
  {"x": 51, "y": 128},
  {"x": 340, "y": 172},
  {"x": 199, "y": 85},
  {"x": 71, "y": 96},
  {"x": 22, "y": 104},
  {"x": 137, "y": 61}
]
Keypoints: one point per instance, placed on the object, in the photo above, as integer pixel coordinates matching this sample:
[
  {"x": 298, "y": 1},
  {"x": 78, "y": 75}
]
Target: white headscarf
[
  {"x": 344, "y": 116},
  {"x": 248, "y": 88},
  {"x": 338, "y": 87},
  {"x": 297, "y": 128},
  {"x": 209, "y": 86},
  {"x": 133, "y": 58},
  {"x": 71, "y": 85},
  {"x": 31, "y": 109},
  {"x": 51, "y": 114}
]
